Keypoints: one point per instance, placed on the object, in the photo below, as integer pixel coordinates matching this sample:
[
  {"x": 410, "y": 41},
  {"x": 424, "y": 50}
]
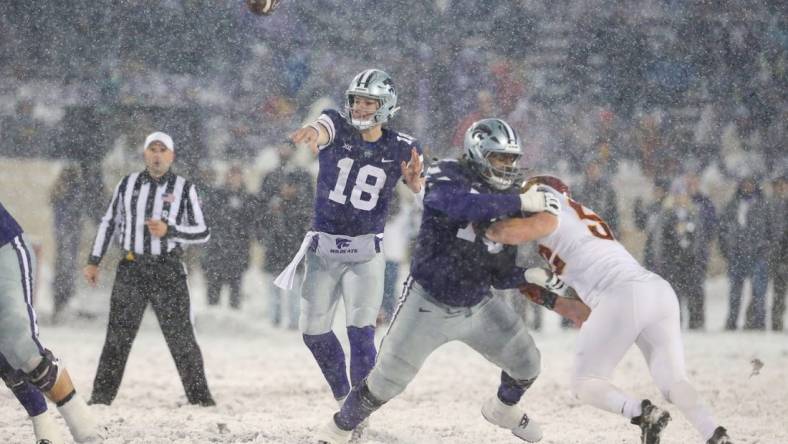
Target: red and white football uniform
[{"x": 630, "y": 305}]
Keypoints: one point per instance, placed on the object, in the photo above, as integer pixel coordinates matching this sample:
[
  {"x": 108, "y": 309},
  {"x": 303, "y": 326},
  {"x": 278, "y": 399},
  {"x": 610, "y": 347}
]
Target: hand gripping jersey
[
  {"x": 584, "y": 253},
  {"x": 357, "y": 178},
  {"x": 452, "y": 260}
]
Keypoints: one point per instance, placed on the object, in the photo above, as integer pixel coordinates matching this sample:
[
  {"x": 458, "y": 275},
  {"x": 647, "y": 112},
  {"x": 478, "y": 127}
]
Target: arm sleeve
[
  {"x": 107, "y": 226},
  {"x": 193, "y": 229},
  {"x": 510, "y": 278},
  {"x": 464, "y": 205},
  {"x": 326, "y": 120}
]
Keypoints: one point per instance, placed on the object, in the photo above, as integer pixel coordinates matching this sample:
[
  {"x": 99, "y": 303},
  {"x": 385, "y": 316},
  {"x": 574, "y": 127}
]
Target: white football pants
[
  {"x": 18, "y": 323},
  {"x": 421, "y": 325},
  {"x": 645, "y": 313},
  {"x": 358, "y": 284}
]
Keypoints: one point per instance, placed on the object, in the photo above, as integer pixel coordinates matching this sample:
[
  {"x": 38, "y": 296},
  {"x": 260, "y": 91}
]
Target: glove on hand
[
  {"x": 535, "y": 200},
  {"x": 547, "y": 280}
]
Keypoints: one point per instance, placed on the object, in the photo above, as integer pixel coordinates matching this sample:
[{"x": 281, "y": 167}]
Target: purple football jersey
[
  {"x": 9, "y": 228},
  {"x": 452, "y": 260},
  {"x": 356, "y": 178}
]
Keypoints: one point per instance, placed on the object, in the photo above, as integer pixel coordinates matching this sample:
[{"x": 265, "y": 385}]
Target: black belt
[{"x": 131, "y": 256}]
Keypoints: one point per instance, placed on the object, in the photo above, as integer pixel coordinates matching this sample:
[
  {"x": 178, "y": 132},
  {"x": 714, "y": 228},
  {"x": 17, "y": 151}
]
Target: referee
[{"x": 154, "y": 211}]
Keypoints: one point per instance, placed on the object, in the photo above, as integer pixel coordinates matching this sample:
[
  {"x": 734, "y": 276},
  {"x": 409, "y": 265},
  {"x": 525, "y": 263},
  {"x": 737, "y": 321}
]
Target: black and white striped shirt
[{"x": 139, "y": 197}]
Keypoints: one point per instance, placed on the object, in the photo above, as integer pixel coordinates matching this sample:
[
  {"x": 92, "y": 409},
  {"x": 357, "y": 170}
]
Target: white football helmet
[
  {"x": 489, "y": 136},
  {"x": 374, "y": 84}
]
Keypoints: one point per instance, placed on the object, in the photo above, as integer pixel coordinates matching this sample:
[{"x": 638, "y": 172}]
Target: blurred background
[{"x": 661, "y": 114}]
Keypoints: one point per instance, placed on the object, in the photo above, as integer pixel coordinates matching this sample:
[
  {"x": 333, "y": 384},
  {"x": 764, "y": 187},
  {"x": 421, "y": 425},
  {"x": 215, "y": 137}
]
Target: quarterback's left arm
[
  {"x": 518, "y": 230},
  {"x": 192, "y": 229},
  {"x": 413, "y": 172}
]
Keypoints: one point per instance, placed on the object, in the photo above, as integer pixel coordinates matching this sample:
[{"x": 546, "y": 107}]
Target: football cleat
[
  {"x": 332, "y": 434},
  {"x": 512, "y": 418},
  {"x": 651, "y": 421},
  {"x": 720, "y": 436}
]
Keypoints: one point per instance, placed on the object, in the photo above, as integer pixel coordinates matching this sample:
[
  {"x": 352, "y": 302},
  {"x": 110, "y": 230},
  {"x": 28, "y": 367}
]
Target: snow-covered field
[{"x": 269, "y": 390}]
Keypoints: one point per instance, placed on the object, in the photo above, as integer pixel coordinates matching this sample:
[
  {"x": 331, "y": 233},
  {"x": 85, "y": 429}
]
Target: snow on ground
[{"x": 269, "y": 390}]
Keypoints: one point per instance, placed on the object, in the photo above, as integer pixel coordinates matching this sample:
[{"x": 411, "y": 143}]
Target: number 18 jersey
[
  {"x": 584, "y": 253},
  {"x": 356, "y": 178}
]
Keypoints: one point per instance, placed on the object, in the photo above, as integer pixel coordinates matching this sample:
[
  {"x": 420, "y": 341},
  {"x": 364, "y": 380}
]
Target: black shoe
[
  {"x": 94, "y": 401},
  {"x": 207, "y": 402},
  {"x": 720, "y": 436},
  {"x": 651, "y": 421}
]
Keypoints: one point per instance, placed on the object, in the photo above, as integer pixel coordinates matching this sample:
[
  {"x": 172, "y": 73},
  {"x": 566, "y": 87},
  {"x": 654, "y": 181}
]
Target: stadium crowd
[{"x": 685, "y": 90}]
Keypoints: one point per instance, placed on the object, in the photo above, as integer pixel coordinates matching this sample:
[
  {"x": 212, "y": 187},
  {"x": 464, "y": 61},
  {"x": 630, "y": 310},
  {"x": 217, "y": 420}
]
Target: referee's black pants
[{"x": 162, "y": 282}]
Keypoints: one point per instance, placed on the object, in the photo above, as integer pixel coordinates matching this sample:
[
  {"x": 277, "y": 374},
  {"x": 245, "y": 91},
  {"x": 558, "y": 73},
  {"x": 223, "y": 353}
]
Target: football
[{"x": 262, "y": 7}]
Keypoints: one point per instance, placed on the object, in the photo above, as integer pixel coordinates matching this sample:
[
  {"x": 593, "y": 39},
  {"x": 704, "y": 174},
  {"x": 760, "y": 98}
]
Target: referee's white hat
[{"x": 159, "y": 136}]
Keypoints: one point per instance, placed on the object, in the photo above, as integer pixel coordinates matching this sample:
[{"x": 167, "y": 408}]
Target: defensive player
[
  {"x": 629, "y": 304},
  {"x": 360, "y": 163},
  {"x": 26, "y": 366},
  {"x": 447, "y": 296}
]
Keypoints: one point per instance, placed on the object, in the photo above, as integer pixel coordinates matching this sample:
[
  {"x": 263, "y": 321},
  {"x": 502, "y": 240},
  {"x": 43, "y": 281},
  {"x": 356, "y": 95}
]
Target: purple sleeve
[
  {"x": 463, "y": 205},
  {"x": 511, "y": 278}
]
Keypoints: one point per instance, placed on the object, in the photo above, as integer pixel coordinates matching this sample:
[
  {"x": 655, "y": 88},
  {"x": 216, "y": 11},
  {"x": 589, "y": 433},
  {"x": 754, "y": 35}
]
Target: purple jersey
[
  {"x": 9, "y": 228},
  {"x": 356, "y": 178},
  {"x": 452, "y": 260}
]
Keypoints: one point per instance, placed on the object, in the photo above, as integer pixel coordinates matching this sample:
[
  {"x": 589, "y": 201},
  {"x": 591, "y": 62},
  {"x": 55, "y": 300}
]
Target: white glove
[
  {"x": 536, "y": 201},
  {"x": 547, "y": 280}
]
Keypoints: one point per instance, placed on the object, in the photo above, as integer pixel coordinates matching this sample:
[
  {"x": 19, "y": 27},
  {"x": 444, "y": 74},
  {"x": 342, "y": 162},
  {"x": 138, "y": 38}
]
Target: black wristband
[{"x": 548, "y": 299}]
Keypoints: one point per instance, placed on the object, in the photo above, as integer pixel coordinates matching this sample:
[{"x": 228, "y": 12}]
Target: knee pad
[{"x": 44, "y": 375}]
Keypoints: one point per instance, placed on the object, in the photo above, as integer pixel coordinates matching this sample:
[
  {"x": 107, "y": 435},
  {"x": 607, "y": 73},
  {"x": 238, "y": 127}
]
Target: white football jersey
[{"x": 584, "y": 253}]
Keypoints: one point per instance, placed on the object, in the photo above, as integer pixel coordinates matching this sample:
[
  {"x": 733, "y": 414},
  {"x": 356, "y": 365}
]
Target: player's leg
[
  {"x": 19, "y": 339},
  {"x": 319, "y": 297},
  {"x": 33, "y": 401},
  {"x": 416, "y": 330},
  {"x": 601, "y": 344},
  {"x": 498, "y": 332},
  {"x": 172, "y": 305},
  {"x": 126, "y": 307},
  {"x": 362, "y": 287},
  {"x": 662, "y": 346}
]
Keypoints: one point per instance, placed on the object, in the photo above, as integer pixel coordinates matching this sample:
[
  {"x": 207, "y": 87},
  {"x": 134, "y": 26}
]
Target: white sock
[
  {"x": 80, "y": 422},
  {"x": 44, "y": 427}
]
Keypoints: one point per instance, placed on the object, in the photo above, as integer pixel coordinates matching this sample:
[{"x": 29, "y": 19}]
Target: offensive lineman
[
  {"x": 360, "y": 164},
  {"x": 447, "y": 297},
  {"x": 26, "y": 367},
  {"x": 629, "y": 304}
]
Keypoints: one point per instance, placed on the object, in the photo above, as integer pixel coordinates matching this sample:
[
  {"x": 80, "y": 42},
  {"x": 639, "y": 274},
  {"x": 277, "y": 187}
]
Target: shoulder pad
[{"x": 445, "y": 170}]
